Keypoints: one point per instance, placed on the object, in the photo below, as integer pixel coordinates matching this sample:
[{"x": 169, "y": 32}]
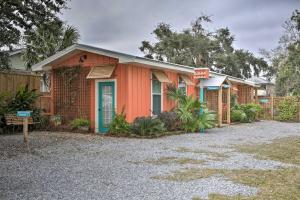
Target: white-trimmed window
[
  {"x": 182, "y": 85},
  {"x": 156, "y": 96}
]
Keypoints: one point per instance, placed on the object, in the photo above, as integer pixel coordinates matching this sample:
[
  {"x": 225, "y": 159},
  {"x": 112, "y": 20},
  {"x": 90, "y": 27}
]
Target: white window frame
[
  {"x": 97, "y": 100},
  {"x": 161, "y": 95}
]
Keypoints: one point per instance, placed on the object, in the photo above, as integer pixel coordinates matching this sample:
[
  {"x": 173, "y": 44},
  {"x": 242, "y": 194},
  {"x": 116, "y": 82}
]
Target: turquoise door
[{"x": 106, "y": 107}]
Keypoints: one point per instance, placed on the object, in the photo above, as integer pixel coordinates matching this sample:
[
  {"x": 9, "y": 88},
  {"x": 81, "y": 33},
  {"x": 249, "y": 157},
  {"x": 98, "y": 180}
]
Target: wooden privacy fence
[
  {"x": 270, "y": 106},
  {"x": 12, "y": 81}
]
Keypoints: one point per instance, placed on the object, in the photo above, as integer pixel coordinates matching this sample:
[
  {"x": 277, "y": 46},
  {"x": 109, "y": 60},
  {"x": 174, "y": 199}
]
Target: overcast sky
[{"x": 121, "y": 25}]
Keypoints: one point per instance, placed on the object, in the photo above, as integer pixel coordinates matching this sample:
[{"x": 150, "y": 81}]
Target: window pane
[
  {"x": 156, "y": 104},
  {"x": 182, "y": 86},
  {"x": 107, "y": 105},
  {"x": 156, "y": 86}
]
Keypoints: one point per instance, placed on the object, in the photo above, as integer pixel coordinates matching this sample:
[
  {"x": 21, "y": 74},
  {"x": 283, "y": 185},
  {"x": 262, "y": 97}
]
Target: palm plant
[
  {"x": 24, "y": 99},
  {"x": 46, "y": 40},
  {"x": 207, "y": 119},
  {"x": 188, "y": 111}
]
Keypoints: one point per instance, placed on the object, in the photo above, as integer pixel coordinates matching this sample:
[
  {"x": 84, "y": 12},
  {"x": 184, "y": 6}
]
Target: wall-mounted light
[{"x": 82, "y": 58}]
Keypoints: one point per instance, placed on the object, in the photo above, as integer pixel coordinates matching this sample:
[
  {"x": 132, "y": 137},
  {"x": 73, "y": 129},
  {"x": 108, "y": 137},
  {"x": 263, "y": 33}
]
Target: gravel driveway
[{"x": 76, "y": 166}]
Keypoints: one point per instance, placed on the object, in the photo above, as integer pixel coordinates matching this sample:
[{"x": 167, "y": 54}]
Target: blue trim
[
  {"x": 201, "y": 98},
  {"x": 213, "y": 88},
  {"x": 226, "y": 86},
  {"x": 102, "y": 128},
  {"x": 264, "y": 100}
]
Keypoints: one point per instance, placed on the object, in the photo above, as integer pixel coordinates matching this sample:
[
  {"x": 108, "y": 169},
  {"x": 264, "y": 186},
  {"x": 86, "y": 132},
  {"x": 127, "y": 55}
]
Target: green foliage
[
  {"x": 171, "y": 120},
  {"x": 119, "y": 126},
  {"x": 199, "y": 47},
  {"x": 19, "y": 16},
  {"x": 288, "y": 109},
  {"x": 238, "y": 115},
  {"x": 287, "y": 80},
  {"x": 47, "y": 39},
  {"x": 3, "y": 109},
  {"x": 285, "y": 59},
  {"x": 246, "y": 112},
  {"x": 79, "y": 122},
  {"x": 207, "y": 119},
  {"x": 188, "y": 111},
  {"x": 147, "y": 126},
  {"x": 233, "y": 100},
  {"x": 24, "y": 99}
]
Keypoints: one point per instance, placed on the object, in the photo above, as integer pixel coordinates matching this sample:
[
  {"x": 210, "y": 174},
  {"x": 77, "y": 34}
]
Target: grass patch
[
  {"x": 281, "y": 184},
  {"x": 285, "y": 150},
  {"x": 186, "y": 175},
  {"x": 217, "y": 156},
  {"x": 176, "y": 160}
]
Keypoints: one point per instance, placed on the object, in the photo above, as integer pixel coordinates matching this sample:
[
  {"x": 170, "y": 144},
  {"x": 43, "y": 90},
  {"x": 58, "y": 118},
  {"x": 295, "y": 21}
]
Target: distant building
[
  {"x": 18, "y": 66},
  {"x": 16, "y": 61},
  {"x": 267, "y": 88}
]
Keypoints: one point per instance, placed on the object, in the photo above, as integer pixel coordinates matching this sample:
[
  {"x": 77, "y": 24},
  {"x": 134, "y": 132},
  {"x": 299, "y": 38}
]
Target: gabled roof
[
  {"x": 122, "y": 57},
  {"x": 235, "y": 79},
  {"x": 260, "y": 80}
]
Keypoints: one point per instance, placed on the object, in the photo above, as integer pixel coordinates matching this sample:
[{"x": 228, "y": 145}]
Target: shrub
[
  {"x": 238, "y": 115},
  {"x": 188, "y": 111},
  {"x": 288, "y": 109},
  {"x": 24, "y": 99},
  {"x": 119, "y": 126},
  {"x": 79, "y": 122},
  {"x": 147, "y": 126},
  {"x": 207, "y": 119},
  {"x": 171, "y": 120},
  {"x": 251, "y": 111}
]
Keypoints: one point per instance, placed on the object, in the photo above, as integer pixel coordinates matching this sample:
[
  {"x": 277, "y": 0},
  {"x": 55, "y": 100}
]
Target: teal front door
[{"x": 106, "y": 105}]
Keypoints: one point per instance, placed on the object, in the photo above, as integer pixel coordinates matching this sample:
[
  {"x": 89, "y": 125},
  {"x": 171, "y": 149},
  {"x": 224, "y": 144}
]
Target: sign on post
[
  {"x": 25, "y": 115},
  {"x": 201, "y": 73}
]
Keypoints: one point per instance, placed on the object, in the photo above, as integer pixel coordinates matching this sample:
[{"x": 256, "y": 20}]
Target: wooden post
[
  {"x": 25, "y": 129},
  {"x": 298, "y": 109},
  {"x": 228, "y": 105},
  {"x": 52, "y": 93},
  {"x": 256, "y": 96},
  {"x": 220, "y": 105},
  {"x": 272, "y": 106}
]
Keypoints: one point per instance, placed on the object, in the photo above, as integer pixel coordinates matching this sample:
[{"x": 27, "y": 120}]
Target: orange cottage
[{"x": 94, "y": 83}]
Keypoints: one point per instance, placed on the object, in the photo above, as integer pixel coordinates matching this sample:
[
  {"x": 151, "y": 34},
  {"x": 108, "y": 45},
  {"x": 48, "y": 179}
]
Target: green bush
[
  {"x": 251, "y": 111},
  {"x": 24, "y": 99},
  {"x": 207, "y": 119},
  {"x": 147, "y": 126},
  {"x": 79, "y": 122},
  {"x": 171, "y": 120},
  {"x": 288, "y": 109},
  {"x": 119, "y": 126},
  {"x": 188, "y": 111},
  {"x": 238, "y": 115}
]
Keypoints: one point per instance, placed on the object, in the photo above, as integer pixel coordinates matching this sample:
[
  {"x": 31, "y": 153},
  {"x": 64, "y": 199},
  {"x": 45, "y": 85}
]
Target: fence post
[
  {"x": 272, "y": 107},
  {"x": 220, "y": 107},
  {"x": 298, "y": 110}
]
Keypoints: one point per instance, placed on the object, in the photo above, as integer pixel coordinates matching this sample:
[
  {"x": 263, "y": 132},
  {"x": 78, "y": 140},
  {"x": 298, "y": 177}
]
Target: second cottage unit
[{"x": 95, "y": 83}]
